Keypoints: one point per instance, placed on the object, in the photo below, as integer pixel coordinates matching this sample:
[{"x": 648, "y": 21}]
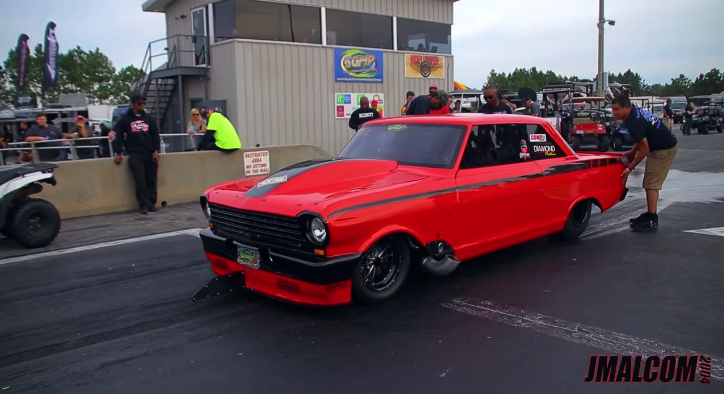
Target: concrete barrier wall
[{"x": 97, "y": 186}]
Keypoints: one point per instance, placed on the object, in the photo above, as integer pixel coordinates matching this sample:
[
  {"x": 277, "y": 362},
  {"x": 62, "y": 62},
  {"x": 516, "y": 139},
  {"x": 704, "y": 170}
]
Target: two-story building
[{"x": 292, "y": 71}]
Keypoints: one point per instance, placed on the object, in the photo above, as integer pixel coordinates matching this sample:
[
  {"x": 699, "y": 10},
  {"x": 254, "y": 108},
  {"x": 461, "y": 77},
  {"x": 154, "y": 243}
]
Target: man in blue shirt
[{"x": 656, "y": 143}]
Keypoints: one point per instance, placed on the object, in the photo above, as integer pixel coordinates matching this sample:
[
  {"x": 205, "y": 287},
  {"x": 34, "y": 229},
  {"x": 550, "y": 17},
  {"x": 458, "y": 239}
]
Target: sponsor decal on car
[
  {"x": 272, "y": 181},
  {"x": 524, "y": 150},
  {"x": 548, "y": 150},
  {"x": 396, "y": 127},
  {"x": 537, "y": 138}
]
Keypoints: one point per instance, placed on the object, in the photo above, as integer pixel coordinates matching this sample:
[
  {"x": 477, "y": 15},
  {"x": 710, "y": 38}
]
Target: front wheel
[
  {"x": 34, "y": 223},
  {"x": 383, "y": 270},
  {"x": 576, "y": 143},
  {"x": 576, "y": 223},
  {"x": 617, "y": 144},
  {"x": 604, "y": 144}
]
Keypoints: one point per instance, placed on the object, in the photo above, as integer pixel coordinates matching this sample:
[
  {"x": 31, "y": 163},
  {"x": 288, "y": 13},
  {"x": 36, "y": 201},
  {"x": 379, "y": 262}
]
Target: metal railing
[
  {"x": 181, "y": 50},
  {"x": 171, "y": 143}
]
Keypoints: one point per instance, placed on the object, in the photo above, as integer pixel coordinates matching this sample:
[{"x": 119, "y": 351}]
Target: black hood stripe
[{"x": 286, "y": 174}]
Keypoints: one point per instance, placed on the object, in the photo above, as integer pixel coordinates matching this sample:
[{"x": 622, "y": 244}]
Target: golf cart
[
  {"x": 469, "y": 99},
  {"x": 592, "y": 125},
  {"x": 710, "y": 117},
  {"x": 31, "y": 222}
]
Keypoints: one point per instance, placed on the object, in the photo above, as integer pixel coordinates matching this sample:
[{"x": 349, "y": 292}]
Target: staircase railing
[{"x": 181, "y": 50}]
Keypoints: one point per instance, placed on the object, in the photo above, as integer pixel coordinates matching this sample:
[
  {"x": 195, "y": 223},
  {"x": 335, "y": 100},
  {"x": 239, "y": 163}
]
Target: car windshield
[{"x": 423, "y": 145}]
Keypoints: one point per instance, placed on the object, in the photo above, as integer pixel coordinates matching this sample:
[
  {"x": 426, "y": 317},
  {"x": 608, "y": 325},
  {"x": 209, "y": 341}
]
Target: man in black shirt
[
  {"x": 432, "y": 104},
  {"x": 363, "y": 114},
  {"x": 656, "y": 143},
  {"x": 493, "y": 105},
  {"x": 668, "y": 115},
  {"x": 138, "y": 133}
]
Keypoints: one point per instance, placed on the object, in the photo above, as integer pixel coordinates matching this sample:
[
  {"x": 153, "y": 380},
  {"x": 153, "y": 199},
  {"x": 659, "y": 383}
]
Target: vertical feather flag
[
  {"x": 22, "y": 51},
  {"x": 50, "y": 63}
]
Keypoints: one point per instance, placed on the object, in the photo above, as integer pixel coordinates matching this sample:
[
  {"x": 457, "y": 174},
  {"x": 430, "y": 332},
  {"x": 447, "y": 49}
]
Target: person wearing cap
[
  {"x": 375, "y": 107},
  {"x": 433, "y": 88},
  {"x": 220, "y": 133},
  {"x": 83, "y": 147},
  {"x": 435, "y": 103},
  {"x": 363, "y": 114},
  {"x": 138, "y": 132},
  {"x": 531, "y": 107}
]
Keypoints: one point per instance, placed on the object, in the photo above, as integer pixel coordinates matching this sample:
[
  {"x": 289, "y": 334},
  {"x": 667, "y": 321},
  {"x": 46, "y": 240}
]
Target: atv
[{"x": 31, "y": 222}]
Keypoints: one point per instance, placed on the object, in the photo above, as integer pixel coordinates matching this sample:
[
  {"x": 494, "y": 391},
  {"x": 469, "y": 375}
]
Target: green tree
[
  {"x": 121, "y": 88},
  {"x": 709, "y": 83}
]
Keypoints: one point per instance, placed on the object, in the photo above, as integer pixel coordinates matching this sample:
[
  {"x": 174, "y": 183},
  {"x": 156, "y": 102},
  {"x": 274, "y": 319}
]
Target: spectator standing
[
  {"x": 220, "y": 134},
  {"x": 83, "y": 147},
  {"x": 668, "y": 115},
  {"x": 42, "y": 131},
  {"x": 138, "y": 133},
  {"x": 493, "y": 104},
  {"x": 105, "y": 150},
  {"x": 531, "y": 107},
  {"x": 656, "y": 143},
  {"x": 432, "y": 104},
  {"x": 408, "y": 97},
  {"x": 374, "y": 106},
  {"x": 688, "y": 117},
  {"x": 363, "y": 114}
]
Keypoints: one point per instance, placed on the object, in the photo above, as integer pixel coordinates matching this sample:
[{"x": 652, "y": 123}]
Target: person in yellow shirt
[
  {"x": 220, "y": 133},
  {"x": 409, "y": 96}
]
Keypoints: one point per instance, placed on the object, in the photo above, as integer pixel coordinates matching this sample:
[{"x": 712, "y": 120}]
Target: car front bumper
[{"x": 324, "y": 283}]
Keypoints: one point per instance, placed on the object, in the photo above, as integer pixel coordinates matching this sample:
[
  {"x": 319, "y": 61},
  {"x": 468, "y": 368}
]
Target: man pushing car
[{"x": 656, "y": 143}]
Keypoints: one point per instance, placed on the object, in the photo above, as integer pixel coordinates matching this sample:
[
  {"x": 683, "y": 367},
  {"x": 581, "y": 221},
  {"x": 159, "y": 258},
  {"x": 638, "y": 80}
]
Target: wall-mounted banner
[
  {"x": 22, "y": 52},
  {"x": 346, "y": 103},
  {"x": 356, "y": 65},
  {"x": 50, "y": 63},
  {"x": 424, "y": 66}
]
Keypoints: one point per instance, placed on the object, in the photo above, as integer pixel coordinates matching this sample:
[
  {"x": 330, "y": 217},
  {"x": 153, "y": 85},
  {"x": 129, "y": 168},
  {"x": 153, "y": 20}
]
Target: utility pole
[{"x": 601, "y": 24}]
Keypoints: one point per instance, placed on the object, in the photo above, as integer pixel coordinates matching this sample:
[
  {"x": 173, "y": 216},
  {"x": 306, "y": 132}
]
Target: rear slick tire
[
  {"x": 383, "y": 270},
  {"x": 35, "y": 223},
  {"x": 576, "y": 223}
]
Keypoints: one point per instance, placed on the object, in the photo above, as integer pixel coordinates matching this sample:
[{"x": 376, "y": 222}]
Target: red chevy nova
[{"x": 405, "y": 193}]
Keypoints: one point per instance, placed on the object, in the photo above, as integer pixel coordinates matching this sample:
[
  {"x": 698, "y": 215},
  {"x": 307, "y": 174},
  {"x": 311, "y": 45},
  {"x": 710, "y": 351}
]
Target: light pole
[{"x": 601, "y": 24}]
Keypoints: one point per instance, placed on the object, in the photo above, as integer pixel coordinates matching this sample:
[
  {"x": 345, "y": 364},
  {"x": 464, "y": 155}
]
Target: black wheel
[
  {"x": 576, "y": 143},
  {"x": 383, "y": 270},
  {"x": 576, "y": 223},
  {"x": 617, "y": 144},
  {"x": 34, "y": 223},
  {"x": 604, "y": 144}
]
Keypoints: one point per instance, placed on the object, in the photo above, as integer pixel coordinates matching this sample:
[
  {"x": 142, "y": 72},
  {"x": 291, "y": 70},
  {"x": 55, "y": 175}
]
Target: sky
[{"x": 659, "y": 39}]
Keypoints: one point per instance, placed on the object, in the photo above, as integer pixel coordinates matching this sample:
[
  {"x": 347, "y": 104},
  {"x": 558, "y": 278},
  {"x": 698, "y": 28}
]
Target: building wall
[
  {"x": 428, "y": 10},
  {"x": 283, "y": 93}
]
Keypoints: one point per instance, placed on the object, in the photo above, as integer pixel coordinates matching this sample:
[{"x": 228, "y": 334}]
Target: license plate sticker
[{"x": 247, "y": 256}]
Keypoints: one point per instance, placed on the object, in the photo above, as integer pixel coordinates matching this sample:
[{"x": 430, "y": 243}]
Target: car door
[
  {"x": 494, "y": 208},
  {"x": 560, "y": 183}
]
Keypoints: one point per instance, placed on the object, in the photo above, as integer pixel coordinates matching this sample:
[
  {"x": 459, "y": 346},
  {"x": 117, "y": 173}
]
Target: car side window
[
  {"x": 496, "y": 144},
  {"x": 540, "y": 144}
]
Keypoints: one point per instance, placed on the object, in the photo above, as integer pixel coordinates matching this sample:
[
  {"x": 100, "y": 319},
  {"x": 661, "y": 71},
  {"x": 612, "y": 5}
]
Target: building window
[
  {"x": 224, "y": 20},
  {"x": 420, "y": 36},
  {"x": 259, "y": 20},
  {"x": 355, "y": 29}
]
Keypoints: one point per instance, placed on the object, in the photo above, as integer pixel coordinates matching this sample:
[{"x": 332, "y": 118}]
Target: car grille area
[{"x": 274, "y": 230}]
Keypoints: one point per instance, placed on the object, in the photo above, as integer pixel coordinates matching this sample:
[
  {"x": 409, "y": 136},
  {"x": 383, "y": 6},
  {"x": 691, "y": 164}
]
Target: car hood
[{"x": 314, "y": 185}]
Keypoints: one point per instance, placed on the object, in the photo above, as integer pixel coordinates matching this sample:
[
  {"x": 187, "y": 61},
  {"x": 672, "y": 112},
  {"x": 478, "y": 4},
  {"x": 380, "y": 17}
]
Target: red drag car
[{"x": 406, "y": 192}]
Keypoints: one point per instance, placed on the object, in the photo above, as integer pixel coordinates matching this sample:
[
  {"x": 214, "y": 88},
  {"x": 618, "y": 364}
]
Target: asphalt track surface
[{"x": 119, "y": 319}]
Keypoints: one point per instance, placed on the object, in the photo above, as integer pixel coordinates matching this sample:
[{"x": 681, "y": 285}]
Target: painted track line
[
  {"x": 192, "y": 231},
  {"x": 610, "y": 341}
]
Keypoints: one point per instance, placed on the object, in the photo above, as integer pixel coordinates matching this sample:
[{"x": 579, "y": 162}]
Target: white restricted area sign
[{"x": 256, "y": 163}]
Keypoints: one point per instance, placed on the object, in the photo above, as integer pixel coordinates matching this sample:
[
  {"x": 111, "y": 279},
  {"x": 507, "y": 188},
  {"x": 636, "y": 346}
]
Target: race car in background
[{"x": 406, "y": 193}]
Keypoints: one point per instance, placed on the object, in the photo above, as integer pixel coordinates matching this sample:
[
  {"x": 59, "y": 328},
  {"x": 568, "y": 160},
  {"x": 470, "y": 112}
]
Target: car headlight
[
  {"x": 317, "y": 231},
  {"x": 204, "y": 201}
]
